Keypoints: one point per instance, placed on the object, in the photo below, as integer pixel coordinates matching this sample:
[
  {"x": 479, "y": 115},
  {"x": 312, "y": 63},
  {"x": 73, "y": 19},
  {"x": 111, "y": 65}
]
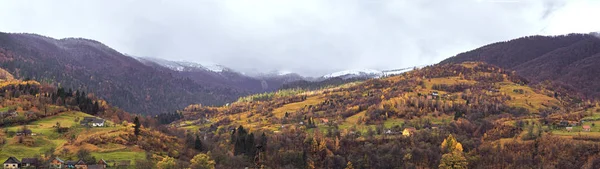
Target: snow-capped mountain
[
  {"x": 257, "y": 81},
  {"x": 223, "y": 76},
  {"x": 181, "y": 66},
  {"x": 366, "y": 73},
  {"x": 346, "y": 74},
  {"x": 397, "y": 71}
]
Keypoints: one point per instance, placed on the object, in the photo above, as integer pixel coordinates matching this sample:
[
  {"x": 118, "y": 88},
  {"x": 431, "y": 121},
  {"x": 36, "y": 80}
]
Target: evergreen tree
[
  {"x": 233, "y": 138},
  {"x": 198, "y": 143},
  {"x": 457, "y": 115},
  {"x": 250, "y": 146},
  {"x": 96, "y": 107},
  {"x": 263, "y": 142},
  {"x": 240, "y": 141},
  {"x": 137, "y": 125}
]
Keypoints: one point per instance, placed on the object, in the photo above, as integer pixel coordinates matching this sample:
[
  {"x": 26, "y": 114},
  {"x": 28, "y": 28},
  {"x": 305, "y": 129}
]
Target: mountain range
[
  {"x": 147, "y": 85},
  {"x": 512, "y": 104},
  {"x": 142, "y": 85},
  {"x": 91, "y": 66}
]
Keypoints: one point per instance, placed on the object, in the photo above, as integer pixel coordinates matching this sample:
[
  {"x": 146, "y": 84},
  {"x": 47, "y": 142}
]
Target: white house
[
  {"x": 11, "y": 163},
  {"x": 92, "y": 122},
  {"x": 98, "y": 123}
]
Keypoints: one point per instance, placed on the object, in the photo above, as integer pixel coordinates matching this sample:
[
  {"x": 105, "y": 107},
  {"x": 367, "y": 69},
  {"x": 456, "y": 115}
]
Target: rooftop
[{"x": 12, "y": 160}]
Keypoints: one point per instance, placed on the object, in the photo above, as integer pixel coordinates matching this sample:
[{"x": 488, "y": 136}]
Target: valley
[
  {"x": 483, "y": 106},
  {"x": 466, "y": 112}
]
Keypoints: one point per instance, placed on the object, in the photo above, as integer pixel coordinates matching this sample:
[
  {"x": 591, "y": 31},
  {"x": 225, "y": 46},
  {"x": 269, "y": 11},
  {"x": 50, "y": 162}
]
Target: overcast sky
[{"x": 310, "y": 37}]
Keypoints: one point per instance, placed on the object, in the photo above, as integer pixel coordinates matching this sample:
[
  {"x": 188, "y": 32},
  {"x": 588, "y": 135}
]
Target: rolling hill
[
  {"x": 491, "y": 111},
  {"x": 53, "y": 118},
  {"x": 569, "y": 61}
]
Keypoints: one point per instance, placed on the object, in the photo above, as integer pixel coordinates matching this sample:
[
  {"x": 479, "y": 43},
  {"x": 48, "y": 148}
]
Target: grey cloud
[{"x": 311, "y": 37}]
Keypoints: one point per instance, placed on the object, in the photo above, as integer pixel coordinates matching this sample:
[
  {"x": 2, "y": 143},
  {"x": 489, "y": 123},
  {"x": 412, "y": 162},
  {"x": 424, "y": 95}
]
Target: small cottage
[
  {"x": 435, "y": 95},
  {"x": 29, "y": 162},
  {"x": 563, "y": 123},
  {"x": 12, "y": 163},
  {"x": 70, "y": 164},
  {"x": 587, "y": 128},
  {"x": 25, "y": 132},
  {"x": 98, "y": 123},
  {"x": 390, "y": 132},
  {"x": 56, "y": 163},
  {"x": 92, "y": 122},
  {"x": 102, "y": 162},
  {"x": 81, "y": 165}
]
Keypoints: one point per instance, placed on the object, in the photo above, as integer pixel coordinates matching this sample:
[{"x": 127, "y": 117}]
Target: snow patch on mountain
[
  {"x": 396, "y": 71},
  {"x": 355, "y": 72},
  {"x": 185, "y": 66},
  {"x": 283, "y": 72},
  {"x": 368, "y": 73}
]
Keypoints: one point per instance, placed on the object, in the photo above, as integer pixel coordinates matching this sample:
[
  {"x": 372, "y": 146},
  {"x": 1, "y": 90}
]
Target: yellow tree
[
  {"x": 310, "y": 164},
  {"x": 450, "y": 144},
  {"x": 202, "y": 161},
  {"x": 454, "y": 158},
  {"x": 349, "y": 165},
  {"x": 337, "y": 144},
  {"x": 167, "y": 163}
]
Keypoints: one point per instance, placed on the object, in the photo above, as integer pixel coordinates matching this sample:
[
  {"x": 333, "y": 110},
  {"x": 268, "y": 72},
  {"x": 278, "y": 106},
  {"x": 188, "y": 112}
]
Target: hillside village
[
  {"x": 55, "y": 163},
  {"x": 483, "y": 106},
  {"x": 296, "y": 84},
  {"x": 48, "y": 127},
  {"x": 479, "y": 106}
]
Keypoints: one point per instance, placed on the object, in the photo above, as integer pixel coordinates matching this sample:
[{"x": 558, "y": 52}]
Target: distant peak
[
  {"x": 185, "y": 65},
  {"x": 354, "y": 72}
]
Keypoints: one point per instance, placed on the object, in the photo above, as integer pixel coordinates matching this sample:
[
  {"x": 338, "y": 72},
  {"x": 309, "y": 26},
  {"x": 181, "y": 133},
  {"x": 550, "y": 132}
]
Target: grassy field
[
  {"x": 353, "y": 120},
  {"x": 449, "y": 81},
  {"x": 46, "y": 137},
  {"x": 529, "y": 99},
  {"x": 389, "y": 123},
  {"x": 292, "y": 107},
  {"x": 120, "y": 155}
]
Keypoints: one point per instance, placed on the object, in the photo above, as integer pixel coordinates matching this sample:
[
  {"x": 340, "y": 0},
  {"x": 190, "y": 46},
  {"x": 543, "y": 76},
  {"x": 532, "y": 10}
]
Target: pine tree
[
  {"x": 240, "y": 141},
  {"x": 263, "y": 142},
  {"x": 96, "y": 107},
  {"x": 136, "y": 127},
  {"x": 250, "y": 146},
  {"x": 198, "y": 143}
]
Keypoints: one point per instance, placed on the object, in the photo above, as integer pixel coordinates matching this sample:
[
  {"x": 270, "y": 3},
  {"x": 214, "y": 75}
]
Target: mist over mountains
[{"x": 136, "y": 84}]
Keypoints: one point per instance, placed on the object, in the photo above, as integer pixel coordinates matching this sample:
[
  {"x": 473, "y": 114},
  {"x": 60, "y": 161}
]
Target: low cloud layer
[{"x": 310, "y": 37}]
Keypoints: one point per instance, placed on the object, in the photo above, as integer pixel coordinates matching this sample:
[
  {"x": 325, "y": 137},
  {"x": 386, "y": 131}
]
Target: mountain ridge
[
  {"x": 567, "y": 61},
  {"x": 119, "y": 79}
]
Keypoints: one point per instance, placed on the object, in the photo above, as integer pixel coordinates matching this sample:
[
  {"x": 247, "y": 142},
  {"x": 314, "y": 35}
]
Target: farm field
[{"x": 45, "y": 138}]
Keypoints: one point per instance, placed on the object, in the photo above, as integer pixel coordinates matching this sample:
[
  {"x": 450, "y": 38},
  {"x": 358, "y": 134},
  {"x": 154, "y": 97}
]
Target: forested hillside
[
  {"x": 42, "y": 121},
  {"x": 568, "y": 61},
  {"x": 469, "y": 115},
  {"x": 91, "y": 66}
]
